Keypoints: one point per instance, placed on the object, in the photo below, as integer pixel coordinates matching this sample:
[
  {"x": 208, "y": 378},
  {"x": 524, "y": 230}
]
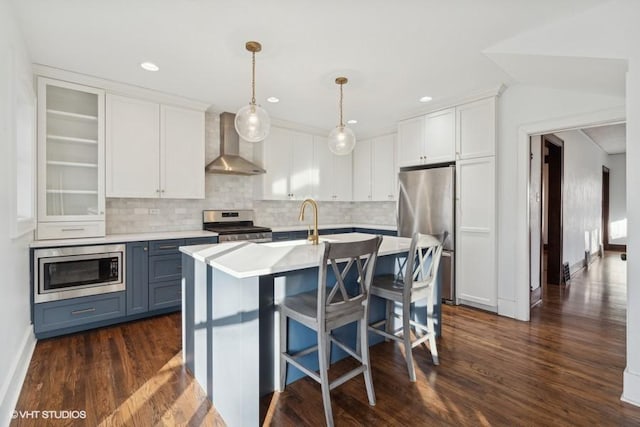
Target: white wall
[
  {"x": 617, "y": 198},
  {"x": 609, "y": 30},
  {"x": 631, "y": 389},
  {"x": 16, "y": 336},
  {"x": 522, "y": 105},
  {"x": 581, "y": 195},
  {"x": 535, "y": 214}
]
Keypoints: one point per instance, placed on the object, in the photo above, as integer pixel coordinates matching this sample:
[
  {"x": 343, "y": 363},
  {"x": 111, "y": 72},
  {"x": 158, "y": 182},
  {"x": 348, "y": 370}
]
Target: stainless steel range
[{"x": 232, "y": 226}]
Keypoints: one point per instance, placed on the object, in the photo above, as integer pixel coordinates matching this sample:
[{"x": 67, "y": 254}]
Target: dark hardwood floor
[{"x": 562, "y": 368}]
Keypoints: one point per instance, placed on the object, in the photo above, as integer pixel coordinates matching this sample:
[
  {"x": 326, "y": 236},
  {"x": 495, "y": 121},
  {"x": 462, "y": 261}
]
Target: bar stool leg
[
  {"x": 406, "y": 335},
  {"x": 324, "y": 377},
  {"x": 364, "y": 345}
]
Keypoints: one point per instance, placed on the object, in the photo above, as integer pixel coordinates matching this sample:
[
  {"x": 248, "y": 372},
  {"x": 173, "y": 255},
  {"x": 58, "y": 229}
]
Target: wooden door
[{"x": 554, "y": 210}]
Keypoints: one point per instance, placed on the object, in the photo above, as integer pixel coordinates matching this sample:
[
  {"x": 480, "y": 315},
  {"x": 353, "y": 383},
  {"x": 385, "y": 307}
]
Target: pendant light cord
[
  {"x": 253, "y": 78},
  {"x": 341, "y": 124}
]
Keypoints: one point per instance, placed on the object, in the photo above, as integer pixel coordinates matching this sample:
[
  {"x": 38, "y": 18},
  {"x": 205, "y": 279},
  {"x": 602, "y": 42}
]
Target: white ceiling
[
  {"x": 612, "y": 138},
  {"x": 392, "y": 52}
]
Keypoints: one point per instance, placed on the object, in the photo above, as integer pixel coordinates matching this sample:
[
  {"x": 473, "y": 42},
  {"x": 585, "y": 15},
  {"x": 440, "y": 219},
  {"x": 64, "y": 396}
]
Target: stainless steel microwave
[{"x": 71, "y": 272}]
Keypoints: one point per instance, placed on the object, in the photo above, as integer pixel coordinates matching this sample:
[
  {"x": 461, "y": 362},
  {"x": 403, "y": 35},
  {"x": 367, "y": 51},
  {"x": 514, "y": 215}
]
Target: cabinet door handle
[
  {"x": 73, "y": 229},
  {"x": 86, "y": 310},
  {"x": 167, "y": 247}
]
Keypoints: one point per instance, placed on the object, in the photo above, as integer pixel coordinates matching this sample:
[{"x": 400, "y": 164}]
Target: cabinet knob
[
  {"x": 158, "y": 190},
  {"x": 145, "y": 249},
  {"x": 162, "y": 191}
]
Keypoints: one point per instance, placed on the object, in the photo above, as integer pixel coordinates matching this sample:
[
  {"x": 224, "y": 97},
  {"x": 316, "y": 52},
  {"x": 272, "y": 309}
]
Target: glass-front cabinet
[{"x": 71, "y": 197}]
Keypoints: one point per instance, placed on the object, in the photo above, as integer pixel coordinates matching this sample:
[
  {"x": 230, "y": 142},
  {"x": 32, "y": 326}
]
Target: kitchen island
[{"x": 229, "y": 331}]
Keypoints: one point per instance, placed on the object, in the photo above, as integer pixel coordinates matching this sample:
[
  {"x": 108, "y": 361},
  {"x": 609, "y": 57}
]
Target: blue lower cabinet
[
  {"x": 165, "y": 295},
  {"x": 279, "y": 236},
  {"x": 165, "y": 267},
  {"x": 335, "y": 231},
  {"x": 201, "y": 241},
  {"x": 153, "y": 279},
  {"x": 297, "y": 235},
  {"x": 376, "y": 231},
  {"x": 72, "y": 312},
  {"x": 137, "y": 268}
]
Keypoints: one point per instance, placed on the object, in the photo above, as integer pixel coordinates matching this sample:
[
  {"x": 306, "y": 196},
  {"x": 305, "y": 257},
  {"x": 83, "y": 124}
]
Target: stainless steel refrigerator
[{"x": 426, "y": 204}]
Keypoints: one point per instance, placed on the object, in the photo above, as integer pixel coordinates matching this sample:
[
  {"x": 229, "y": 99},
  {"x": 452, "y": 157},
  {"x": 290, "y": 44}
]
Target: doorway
[
  {"x": 552, "y": 231},
  {"x": 605, "y": 208}
]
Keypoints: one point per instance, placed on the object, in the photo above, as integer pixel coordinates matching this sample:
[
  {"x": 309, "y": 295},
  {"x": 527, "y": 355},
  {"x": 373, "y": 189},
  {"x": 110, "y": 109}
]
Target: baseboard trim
[
  {"x": 11, "y": 389},
  {"x": 631, "y": 388}
]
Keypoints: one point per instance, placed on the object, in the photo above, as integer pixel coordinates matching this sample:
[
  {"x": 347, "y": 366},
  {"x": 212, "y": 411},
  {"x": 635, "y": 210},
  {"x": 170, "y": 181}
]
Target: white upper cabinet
[
  {"x": 427, "y": 139},
  {"x": 287, "y": 156},
  {"x": 153, "y": 150},
  {"x": 362, "y": 160},
  {"x": 332, "y": 174},
  {"x": 476, "y": 129},
  {"x": 374, "y": 170},
  {"x": 410, "y": 147},
  {"x": 181, "y": 153},
  {"x": 383, "y": 168},
  {"x": 71, "y": 197},
  {"x": 440, "y": 137},
  {"x": 133, "y": 149}
]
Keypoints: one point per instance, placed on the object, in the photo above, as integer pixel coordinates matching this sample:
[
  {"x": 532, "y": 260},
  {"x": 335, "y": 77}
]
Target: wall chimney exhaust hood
[{"x": 229, "y": 161}]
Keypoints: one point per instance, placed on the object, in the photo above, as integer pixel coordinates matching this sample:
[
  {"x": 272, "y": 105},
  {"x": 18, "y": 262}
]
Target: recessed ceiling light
[
  {"x": 273, "y": 99},
  {"x": 352, "y": 121},
  {"x": 425, "y": 99},
  {"x": 149, "y": 66}
]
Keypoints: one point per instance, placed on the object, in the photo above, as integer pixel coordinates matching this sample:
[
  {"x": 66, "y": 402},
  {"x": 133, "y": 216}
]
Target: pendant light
[
  {"x": 342, "y": 140},
  {"x": 252, "y": 122}
]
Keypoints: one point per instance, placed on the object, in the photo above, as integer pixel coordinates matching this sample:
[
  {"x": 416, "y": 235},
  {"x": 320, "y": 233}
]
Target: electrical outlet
[{"x": 154, "y": 211}]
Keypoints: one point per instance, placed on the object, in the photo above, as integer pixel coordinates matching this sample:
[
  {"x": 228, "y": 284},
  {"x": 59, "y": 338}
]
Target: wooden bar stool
[
  {"x": 417, "y": 282},
  {"x": 331, "y": 307}
]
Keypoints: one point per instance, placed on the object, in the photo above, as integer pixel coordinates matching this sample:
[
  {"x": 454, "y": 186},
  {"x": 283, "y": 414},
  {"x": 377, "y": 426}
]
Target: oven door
[{"x": 79, "y": 271}]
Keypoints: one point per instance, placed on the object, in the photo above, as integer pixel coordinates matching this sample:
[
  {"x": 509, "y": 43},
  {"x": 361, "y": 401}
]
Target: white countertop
[
  {"x": 326, "y": 226},
  {"x": 246, "y": 259},
  {"x": 117, "y": 238}
]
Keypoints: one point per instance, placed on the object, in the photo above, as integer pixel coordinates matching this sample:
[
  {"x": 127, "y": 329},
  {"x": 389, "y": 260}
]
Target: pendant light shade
[
  {"x": 252, "y": 122},
  {"x": 342, "y": 140}
]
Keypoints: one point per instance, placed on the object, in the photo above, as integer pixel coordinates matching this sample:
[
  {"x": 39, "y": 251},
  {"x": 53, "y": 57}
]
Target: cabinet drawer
[
  {"x": 298, "y": 235},
  {"x": 335, "y": 231},
  {"x": 165, "y": 247},
  {"x": 49, "y": 316},
  {"x": 70, "y": 230},
  {"x": 165, "y": 294},
  {"x": 201, "y": 240},
  {"x": 280, "y": 236},
  {"x": 165, "y": 267}
]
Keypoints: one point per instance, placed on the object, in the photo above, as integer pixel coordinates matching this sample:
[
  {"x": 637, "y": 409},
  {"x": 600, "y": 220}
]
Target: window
[{"x": 24, "y": 150}]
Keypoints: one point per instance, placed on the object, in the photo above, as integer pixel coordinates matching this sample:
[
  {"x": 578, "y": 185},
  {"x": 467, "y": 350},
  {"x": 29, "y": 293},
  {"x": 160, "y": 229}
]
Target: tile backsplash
[{"x": 125, "y": 215}]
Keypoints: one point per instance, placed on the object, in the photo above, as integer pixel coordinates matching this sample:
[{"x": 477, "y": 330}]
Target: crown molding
[
  {"x": 455, "y": 100},
  {"x": 118, "y": 88}
]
